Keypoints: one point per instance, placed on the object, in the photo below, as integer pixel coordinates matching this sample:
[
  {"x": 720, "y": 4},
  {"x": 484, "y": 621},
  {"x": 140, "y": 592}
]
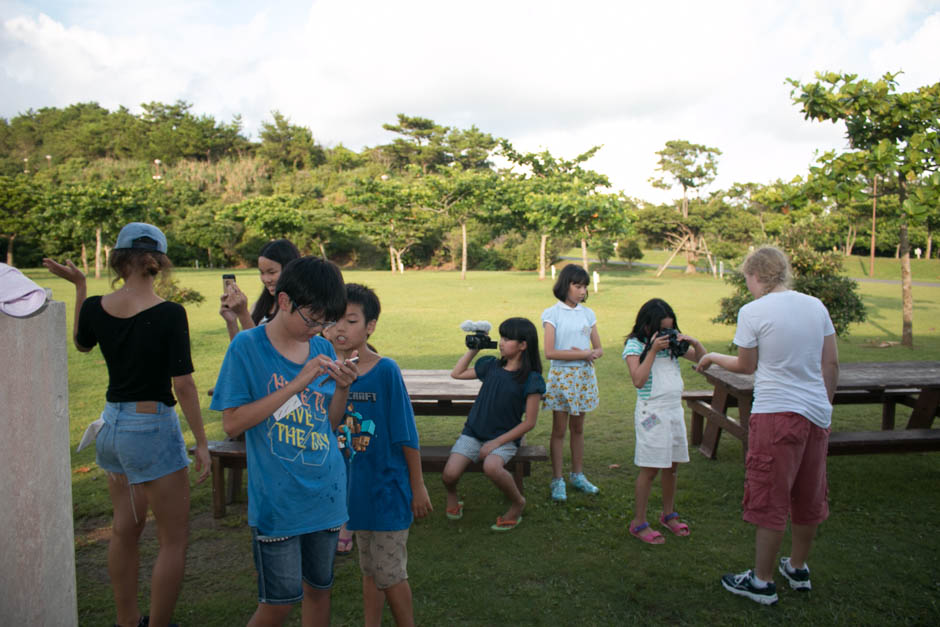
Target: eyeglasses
[{"x": 312, "y": 324}]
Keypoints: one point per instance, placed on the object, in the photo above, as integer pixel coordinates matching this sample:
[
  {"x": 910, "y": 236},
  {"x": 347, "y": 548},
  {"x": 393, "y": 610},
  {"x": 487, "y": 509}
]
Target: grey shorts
[
  {"x": 469, "y": 447},
  {"x": 383, "y": 555}
]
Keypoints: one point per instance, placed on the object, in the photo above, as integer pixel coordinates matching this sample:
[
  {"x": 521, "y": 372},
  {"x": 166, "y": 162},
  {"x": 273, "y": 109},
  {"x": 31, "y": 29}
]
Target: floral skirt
[{"x": 571, "y": 389}]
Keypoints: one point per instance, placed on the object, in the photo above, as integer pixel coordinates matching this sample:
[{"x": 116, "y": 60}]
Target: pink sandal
[
  {"x": 344, "y": 546},
  {"x": 653, "y": 537},
  {"x": 680, "y": 528}
]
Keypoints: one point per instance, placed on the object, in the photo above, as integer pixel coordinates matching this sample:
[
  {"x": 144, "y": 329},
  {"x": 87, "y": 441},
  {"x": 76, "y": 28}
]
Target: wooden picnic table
[
  {"x": 912, "y": 383},
  {"x": 435, "y": 393}
]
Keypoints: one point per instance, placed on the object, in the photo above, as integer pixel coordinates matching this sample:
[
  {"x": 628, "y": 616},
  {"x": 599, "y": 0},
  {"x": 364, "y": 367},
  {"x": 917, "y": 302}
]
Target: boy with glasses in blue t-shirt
[{"x": 281, "y": 386}]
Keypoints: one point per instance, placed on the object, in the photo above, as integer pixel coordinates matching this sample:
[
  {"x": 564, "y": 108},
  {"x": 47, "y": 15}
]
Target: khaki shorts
[{"x": 383, "y": 555}]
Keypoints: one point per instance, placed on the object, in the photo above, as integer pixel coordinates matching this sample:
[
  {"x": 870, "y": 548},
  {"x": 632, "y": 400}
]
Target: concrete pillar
[{"x": 37, "y": 544}]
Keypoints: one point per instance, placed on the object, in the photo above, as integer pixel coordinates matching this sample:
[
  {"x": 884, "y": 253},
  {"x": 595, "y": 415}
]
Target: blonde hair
[{"x": 770, "y": 266}]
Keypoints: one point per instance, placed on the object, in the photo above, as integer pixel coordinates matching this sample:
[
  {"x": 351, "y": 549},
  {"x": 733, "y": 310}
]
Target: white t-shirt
[
  {"x": 573, "y": 327},
  {"x": 787, "y": 328}
]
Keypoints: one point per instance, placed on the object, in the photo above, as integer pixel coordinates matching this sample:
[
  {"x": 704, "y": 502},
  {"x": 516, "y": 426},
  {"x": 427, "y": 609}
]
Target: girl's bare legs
[
  {"x": 169, "y": 499},
  {"x": 453, "y": 469},
  {"x": 130, "y": 516},
  {"x": 495, "y": 468},
  {"x": 668, "y": 480},
  {"x": 557, "y": 441},
  {"x": 644, "y": 484},
  {"x": 576, "y": 427},
  {"x": 267, "y": 615}
]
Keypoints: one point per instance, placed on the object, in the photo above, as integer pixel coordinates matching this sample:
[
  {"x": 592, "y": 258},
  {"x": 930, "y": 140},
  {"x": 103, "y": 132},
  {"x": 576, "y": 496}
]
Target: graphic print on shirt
[{"x": 299, "y": 434}]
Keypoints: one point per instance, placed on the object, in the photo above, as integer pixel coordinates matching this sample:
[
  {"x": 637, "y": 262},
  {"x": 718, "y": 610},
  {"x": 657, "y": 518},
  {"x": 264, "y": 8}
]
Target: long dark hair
[
  {"x": 568, "y": 275},
  {"x": 522, "y": 329},
  {"x": 283, "y": 252},
  {"x": 648, "y": 322}
]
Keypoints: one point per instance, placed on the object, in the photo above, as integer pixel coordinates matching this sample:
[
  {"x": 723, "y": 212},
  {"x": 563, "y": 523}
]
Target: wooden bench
[
  {"x": 900, "y": 441},
  {"x": 230, "y": 454},
  {"x": 433, "y": 459},
  {"x": 705, "y": 416}
]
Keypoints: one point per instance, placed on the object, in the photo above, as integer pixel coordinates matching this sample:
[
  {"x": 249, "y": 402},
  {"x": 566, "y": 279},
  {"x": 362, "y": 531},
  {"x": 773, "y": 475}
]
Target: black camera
[
  {"x": 677, "y": 347},
  {"x": 479, "y": 340}
]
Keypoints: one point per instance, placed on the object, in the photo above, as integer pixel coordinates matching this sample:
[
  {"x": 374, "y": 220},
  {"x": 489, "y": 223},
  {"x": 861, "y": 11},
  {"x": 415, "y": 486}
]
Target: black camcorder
[
  {"x": 677, "y": 347},
  {"x": 479, "y": 340}
]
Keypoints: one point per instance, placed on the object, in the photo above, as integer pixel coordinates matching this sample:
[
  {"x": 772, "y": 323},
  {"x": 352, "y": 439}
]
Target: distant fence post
[{"x": 37, "y": 541}]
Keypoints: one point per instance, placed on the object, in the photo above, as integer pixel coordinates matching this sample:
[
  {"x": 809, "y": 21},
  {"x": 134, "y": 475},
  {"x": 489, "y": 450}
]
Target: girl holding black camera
[{"x": 652, "y": 352}]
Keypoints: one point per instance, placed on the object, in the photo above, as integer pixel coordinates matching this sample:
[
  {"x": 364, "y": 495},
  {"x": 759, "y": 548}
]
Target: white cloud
[{"x": 557, "y": 75}]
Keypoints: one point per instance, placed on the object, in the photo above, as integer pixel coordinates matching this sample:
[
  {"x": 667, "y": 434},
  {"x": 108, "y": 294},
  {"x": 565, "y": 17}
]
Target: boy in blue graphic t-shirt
[
  {"x": 281, "y": 386},
  {"x": 386, "y": 485}
]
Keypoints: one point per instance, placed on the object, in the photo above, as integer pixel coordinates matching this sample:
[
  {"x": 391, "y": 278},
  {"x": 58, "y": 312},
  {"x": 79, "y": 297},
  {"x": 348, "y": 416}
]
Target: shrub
[
  {"x": 814, "y": 273},
  {"x": 169, "y": 289},
  {"x": 630, "y": 250}
]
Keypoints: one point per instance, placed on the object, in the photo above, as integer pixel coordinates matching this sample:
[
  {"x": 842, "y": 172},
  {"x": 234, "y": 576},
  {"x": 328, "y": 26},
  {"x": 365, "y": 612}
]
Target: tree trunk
[
  {"x": 98, "y": 253},
  {"x": 84, "y": 259},
  {"x": 584, "y": 259},
  {"x": 463, "y": 251},
  {"x": 322, "y": 250},
  {"x": 13, "y": 237},
  {"x": 850, "y": 239},
  {"x": 391, "y": 256},
  {"x": 874, "y": 207},
  {"x": 907, "y": 295},
  {"x": 929, "y": 244},
  {"x": 685, "y": 203},
  {"x": 208, "y": 257},
  {"x": 542, "y": 256},
  {"x": 690, "y": 258}
]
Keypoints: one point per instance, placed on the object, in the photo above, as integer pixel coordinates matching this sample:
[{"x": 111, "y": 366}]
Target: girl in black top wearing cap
[{"x": 145, "y": 343}]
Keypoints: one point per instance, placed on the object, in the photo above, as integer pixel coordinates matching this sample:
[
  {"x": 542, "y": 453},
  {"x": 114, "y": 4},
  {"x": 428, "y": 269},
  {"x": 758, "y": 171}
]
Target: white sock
[{"x": 758, "y": 583}]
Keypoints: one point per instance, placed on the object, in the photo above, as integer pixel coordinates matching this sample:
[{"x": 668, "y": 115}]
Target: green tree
[
  {"x": 558, "y": 196},
  {"x": 288, "y": 145},
  {"x": 691, "y": 166},
  {"x": 18, "y": 201},
  {"x": 396, "y": 211},
  {"x": 900, "y": 132}
]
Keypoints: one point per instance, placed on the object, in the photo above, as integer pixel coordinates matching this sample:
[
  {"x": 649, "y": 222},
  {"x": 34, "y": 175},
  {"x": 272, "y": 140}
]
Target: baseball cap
[{"x": 142, "y": 236}]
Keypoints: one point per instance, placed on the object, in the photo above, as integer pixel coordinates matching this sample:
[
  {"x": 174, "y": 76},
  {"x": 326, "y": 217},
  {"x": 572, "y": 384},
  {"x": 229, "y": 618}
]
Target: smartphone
[{"x": 228, "y": 280}]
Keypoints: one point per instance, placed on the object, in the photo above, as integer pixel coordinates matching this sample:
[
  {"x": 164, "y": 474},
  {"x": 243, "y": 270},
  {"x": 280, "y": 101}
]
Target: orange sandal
[
  {"x": 455, "y": 513},
  {"x": 503, "y": 524}
]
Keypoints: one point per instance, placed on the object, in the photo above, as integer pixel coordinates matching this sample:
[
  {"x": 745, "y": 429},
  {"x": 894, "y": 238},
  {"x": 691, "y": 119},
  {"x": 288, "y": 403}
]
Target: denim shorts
[
  {"x": 285, "y": 563},
  {"x": 143, "y": 445},
  {"x": 469, "y": 447}
]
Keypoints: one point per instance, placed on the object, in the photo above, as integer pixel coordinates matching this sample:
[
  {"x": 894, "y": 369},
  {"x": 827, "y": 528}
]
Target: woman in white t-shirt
[{"x": 788, "y": 341}]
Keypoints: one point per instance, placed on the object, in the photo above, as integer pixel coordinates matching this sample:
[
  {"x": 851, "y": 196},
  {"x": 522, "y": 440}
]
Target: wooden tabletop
[
  {"x": 852, "y": 376},
  {"x": 437, "y": 385}
]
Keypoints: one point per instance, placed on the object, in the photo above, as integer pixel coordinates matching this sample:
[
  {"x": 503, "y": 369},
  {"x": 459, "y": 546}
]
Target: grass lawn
[{"x": 875, "y": 562}]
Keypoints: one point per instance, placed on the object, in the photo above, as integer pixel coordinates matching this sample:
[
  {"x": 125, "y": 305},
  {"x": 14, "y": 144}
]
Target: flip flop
[
  {"x": 653, "y": 537},
  {"x": 455, "y": 513},
  {"x": 505, "y": 525},
  {"x": 344, "y": 546},
  {"x": 680, "y": 528}
]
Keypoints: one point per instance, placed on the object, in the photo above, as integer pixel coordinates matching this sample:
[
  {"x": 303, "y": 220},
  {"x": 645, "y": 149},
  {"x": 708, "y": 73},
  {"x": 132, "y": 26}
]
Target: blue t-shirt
[
  {"x": 380, "y": 487},
  {"x": 501, "y": 402},
  {"x": 296, "y": 479}
]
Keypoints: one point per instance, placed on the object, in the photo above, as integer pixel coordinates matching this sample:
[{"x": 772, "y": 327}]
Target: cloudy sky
[{"x": 562, "y": 76}]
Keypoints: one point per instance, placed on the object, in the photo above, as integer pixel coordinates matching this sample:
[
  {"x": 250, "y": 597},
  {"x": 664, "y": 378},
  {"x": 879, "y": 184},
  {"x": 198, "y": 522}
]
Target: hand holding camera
[
  {"x": 677, "y": 348},
  {"x": 479, "y": 338}
]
